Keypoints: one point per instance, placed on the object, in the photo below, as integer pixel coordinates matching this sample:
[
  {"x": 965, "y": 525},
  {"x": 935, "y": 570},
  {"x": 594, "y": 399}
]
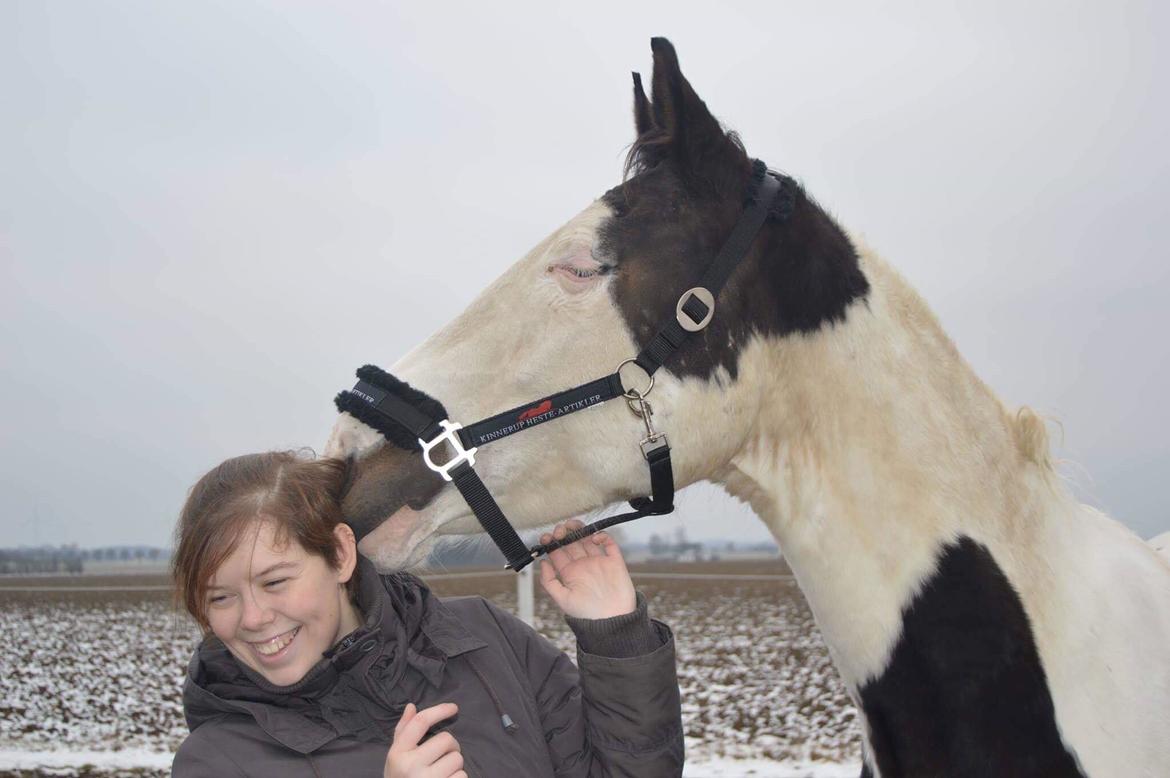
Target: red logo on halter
[{"x": 532, "y": 413}]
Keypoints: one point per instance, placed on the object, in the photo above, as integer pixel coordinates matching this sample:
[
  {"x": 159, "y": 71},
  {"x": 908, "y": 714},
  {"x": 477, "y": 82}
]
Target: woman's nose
[{"x": 257, "y": 612}]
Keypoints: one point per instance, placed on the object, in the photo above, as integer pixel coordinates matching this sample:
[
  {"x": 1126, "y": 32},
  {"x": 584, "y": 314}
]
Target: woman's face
[{"x": 277, "y": 607}]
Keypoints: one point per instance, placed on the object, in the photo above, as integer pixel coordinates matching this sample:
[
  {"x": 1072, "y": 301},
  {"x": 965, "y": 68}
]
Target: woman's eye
[
  {"x": 275, "y": 582},
  {"x": 217, "y": 599}
]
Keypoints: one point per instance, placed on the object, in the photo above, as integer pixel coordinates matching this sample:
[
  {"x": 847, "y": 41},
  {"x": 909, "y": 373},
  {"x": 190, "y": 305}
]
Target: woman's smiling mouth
[{"x": 276, "y": 647}]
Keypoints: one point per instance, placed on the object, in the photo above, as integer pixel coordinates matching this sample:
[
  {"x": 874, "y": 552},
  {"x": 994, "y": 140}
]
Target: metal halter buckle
[
  {"x": 653, "y": 443},
  {"x": 684, "y": 320},
  {"x": 461, "y": 455},
  {"x": 654, "y": 439}
]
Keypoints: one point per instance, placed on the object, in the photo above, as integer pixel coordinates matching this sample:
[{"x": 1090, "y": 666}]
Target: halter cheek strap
[{"x": 415, "y": 421}]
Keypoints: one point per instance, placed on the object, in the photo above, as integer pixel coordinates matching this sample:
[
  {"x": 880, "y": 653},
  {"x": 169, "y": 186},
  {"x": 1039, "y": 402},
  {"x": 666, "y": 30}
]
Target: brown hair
[{"x": 300, "y": 494}]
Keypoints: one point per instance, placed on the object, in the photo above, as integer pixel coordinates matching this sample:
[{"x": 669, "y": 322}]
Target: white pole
[{"x": 525, "y": 590}]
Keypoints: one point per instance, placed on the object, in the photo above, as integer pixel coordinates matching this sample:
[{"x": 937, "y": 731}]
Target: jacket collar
[
  {"x": 402, "y": 600},
  {"x": 398, "y": 608}
]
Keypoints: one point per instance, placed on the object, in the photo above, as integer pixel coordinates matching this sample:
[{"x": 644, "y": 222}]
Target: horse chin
[
  {"x": 405, "y": 539},
  {"x": 401, "y": 542}
]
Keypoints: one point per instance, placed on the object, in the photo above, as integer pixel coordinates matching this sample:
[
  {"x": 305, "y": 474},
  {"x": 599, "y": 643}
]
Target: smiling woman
[
  {"x": 280, "y": 620},
  {"x": 233, "y": 553},
  {"x": 314, "y": 664},
  {"x": 264, "y": 563}
]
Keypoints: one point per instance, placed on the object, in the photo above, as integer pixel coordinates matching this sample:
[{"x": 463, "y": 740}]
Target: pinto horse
[{"x": 984, "y": 622}]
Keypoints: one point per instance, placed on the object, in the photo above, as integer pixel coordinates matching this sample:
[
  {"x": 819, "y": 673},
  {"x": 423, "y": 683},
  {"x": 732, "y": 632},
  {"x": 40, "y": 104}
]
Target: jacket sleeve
[{"x": 618, "y": 712}]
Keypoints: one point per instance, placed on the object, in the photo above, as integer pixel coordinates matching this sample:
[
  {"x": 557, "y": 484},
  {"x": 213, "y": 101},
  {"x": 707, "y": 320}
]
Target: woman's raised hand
[
  {"x": 587, "y": 579},
  {"x": 438, "y": 757}
]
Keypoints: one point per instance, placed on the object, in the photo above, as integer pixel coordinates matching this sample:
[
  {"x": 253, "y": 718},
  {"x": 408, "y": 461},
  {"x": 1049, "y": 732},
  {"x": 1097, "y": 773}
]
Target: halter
[{"x": 415, "y": 421}]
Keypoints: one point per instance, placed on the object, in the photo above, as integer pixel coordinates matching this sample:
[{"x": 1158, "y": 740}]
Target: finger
[
  {"x": 573, "y": 550},
  {"x": 572, "y": 525},
  {"x": 560, "y": 557},
  {"x": 435, "y": 747},
  {"x": 552, "y": 585},
  {"x": 446, "y": 765},
  {"x": 594, "y": 545},
  {"x": 404, "y": 719},
  {"x": 426, "y": 718},
  {"x": 586, "y": 545}
]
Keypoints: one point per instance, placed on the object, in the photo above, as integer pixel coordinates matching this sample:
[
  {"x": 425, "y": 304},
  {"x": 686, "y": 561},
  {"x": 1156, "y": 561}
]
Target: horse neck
[{"x": 875, "y": 445}]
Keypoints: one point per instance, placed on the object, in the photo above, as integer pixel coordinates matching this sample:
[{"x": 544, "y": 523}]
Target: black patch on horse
[
  {"x": 965, "y": 694},
  {"x": 683, "y": 196}
]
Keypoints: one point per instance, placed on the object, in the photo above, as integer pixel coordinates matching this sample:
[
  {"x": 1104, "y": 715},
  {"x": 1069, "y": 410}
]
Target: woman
[{"x": 314, "y": 665}]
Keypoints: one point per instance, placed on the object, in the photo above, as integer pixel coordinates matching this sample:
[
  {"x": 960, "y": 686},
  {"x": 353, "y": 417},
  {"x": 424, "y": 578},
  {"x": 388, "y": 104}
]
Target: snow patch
[
  {"x": 758, "y": 768},
  {"x": 127, "y": 759}
]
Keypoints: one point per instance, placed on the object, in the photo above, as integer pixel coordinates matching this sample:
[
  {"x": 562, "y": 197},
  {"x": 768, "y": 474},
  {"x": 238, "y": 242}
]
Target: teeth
[{"x": 276, "y": 644}]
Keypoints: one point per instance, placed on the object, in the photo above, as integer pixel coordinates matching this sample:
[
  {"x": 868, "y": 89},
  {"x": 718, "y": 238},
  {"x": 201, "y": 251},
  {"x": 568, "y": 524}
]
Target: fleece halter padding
[{"x": 379, "y": 395}]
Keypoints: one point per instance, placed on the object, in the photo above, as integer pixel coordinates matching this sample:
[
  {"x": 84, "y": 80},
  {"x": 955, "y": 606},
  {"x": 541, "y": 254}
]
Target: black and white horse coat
[{"x": 985, "y": 623}]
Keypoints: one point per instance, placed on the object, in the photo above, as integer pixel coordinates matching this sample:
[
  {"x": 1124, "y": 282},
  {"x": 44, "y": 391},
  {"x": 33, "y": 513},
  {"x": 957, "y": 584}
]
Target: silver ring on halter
[
  {"x": 706, "y": 298},
  {"x": 634, "y": 394}
]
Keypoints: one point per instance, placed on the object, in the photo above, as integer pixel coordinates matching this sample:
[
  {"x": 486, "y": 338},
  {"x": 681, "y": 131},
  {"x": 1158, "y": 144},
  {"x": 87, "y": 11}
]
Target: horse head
[{"x": 585, "y": 299}]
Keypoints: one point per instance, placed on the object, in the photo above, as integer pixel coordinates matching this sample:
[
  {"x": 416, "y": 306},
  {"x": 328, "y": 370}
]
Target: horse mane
[{"x": 1031, "y": 437}]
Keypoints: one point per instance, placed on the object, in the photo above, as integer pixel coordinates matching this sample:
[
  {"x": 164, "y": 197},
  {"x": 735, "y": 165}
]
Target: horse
[{"x": 983, "y": 621}]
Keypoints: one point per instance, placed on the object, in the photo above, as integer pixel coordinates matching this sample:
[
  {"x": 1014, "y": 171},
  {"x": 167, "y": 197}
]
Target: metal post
[{"x": 525, "y": 583}]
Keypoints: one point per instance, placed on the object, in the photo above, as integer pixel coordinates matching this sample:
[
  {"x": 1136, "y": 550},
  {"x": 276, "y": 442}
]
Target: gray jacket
[{"x": 524, "y": 708}]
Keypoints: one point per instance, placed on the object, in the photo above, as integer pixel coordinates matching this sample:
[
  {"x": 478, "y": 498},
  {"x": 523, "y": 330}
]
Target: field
[{"x": 101, "y": 670}]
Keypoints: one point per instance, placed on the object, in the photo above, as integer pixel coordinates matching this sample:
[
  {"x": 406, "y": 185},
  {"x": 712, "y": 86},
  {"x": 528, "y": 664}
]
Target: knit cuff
[{"x": 620, "y": 637}]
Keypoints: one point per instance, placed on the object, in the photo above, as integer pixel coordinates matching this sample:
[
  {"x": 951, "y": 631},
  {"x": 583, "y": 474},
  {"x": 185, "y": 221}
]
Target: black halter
[{"x": 415, "y": 421}]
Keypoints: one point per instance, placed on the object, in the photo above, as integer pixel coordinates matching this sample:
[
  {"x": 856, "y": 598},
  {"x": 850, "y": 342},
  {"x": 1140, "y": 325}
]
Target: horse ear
[
  {"x": 696, "y": 139},
  {"x": 643, "y": 118}
]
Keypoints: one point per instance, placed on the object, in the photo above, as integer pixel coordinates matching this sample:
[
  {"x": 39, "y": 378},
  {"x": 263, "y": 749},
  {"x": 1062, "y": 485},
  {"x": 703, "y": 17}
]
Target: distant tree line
[
  {"x": 70, "y": 558},
  {"x": 678, "y": 549}
]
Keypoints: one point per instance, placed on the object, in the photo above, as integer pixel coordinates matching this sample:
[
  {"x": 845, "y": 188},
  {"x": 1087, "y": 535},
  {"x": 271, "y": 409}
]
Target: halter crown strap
[{"x": 691, "y": 305}]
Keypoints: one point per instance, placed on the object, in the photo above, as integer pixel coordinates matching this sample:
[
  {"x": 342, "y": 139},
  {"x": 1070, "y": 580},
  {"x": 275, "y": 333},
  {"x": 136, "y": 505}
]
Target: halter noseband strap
[{"x": 415, "y": 421}]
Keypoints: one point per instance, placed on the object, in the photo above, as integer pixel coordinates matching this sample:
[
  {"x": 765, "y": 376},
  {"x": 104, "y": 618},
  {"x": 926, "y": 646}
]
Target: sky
[{"x": 210, "y": 213}]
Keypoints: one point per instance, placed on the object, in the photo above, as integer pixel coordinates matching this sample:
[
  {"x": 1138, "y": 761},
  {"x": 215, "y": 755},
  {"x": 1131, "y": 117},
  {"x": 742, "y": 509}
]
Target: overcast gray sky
[{"x": 210, "y": 213}]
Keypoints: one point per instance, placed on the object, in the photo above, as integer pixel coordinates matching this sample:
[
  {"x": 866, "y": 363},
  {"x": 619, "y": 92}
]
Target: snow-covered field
[{"x": 95, "y": 678}]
